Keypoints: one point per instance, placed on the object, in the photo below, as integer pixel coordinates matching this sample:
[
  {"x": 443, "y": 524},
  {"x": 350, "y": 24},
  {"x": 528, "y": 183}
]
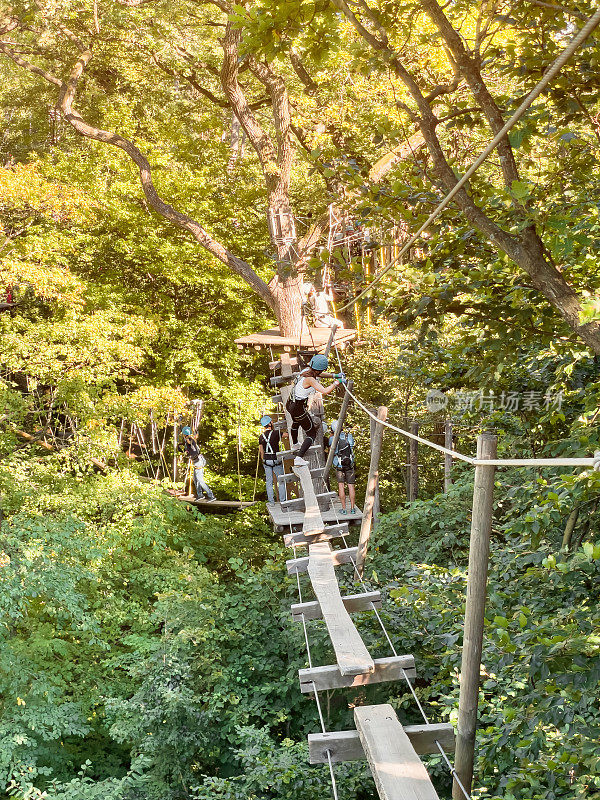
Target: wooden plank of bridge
[
  {"x": 392, "y": 668},
  {"x": 351, "y": 654},
  {"x": 290, "y": 477},
  {"x": 313, "y": 521},
  {"x": 346, "y": 556},
  {"x": 397, "y": 770},
  {"x": 328, "y": 532},
  {"x": 346, "y": 745},
  {"x": 364, "y": 601},
  {"x": 299, "y": 503}
]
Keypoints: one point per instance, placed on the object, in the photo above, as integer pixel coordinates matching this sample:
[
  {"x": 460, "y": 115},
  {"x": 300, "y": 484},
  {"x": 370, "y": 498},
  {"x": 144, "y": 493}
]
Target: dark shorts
[{"x": 346, "y": 476}]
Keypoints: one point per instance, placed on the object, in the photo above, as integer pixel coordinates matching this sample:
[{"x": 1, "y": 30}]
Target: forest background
[{"x": 134, "y": 662}]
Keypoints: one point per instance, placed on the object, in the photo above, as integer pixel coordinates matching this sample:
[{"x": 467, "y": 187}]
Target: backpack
[
  {"x": 270, "y": 454},
  {"x": 345, "y": 454}
]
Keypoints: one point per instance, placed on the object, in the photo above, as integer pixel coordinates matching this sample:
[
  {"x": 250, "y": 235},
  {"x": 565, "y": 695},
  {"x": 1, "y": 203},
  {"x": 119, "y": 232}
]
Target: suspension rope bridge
[{"x": 312, "y": 520}]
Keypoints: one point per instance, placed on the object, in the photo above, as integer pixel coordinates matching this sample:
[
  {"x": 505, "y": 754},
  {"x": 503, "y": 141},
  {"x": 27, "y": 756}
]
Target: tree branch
[
  {"x": 65, "y": 105},
  {"x": 311, "y": 87}
]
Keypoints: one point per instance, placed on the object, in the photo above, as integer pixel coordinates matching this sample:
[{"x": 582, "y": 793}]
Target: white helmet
[{"x": 334, "y": 425}]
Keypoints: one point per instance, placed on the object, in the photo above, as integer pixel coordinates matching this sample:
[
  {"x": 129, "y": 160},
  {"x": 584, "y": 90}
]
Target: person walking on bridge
[
  {"x": 297, "y": 405},
  {"x": 190, "y": 445},
  {"x": 268, "y": 445}
]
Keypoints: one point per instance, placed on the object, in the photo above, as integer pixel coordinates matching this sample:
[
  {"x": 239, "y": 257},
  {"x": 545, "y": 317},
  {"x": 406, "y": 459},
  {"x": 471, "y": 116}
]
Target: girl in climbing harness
[
  {"x": 297, "y": 405},
  {"x": 268, "y": 445},
  {"x": 343, "y": 461},
  {"x": 199, "y": 462}
]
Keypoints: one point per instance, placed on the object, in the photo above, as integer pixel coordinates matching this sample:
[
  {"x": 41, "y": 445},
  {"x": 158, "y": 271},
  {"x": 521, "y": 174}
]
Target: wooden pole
[
  {"x": 365, "y": 528},
  {"x": 376, "y": 506},
  {"x": 336, "y": 435},
  {"x": 174, "y": 448},
  {"x": 479, "y": 550},
  {"x": 447, "y": 458},
  {"x": 329, "y": 344},
  {"x": 413, "y": 461}
]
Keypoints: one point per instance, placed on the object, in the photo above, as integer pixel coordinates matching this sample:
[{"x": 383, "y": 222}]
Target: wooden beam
[
  {"x": 309, "y": 503},
  {"x": 367, "y": 520},
  {"x": 276, "y": 399},
  {"x": 291, "y": 453},
  {"x": 351, "y": 653},
  {"x": 376, "y": 503},
  {"x": 329, "y": 344},
  {"x": 346, "y": 556},
  {"x": 364, "y": 601},
  {"x": 298, "y": 503},
  {"x": 346, "y": 745},
  {"x": 276, "y": 365},
  {"x": 387, "y": 669},
  {"x": 291, "y": 477},
  {"x": 477, "y": 572},
  {"x": 413, "y": 464},
  {"x": 397, "y": 770},
  {"x": 328, "y": 532},
  {"x": 447, "y": 456}
]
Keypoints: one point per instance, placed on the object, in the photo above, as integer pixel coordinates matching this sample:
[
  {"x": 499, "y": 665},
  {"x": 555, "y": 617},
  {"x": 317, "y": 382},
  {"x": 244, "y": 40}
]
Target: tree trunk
[{"x": 288, "y": 296}]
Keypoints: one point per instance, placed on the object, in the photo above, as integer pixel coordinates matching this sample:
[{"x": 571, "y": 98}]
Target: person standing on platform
[
  {"x": 343, "y": 461},
  {"x": 190, "y": 445},
  {"x": 268, "y": 445},
  {"x": 321, "y": 302}
]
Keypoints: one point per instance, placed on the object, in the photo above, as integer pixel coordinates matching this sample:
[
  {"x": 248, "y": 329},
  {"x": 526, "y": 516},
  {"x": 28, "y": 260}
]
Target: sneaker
[
  {"x": 210, "y": 499},
  {"x": 300, "y": 462},
  {"x": 343, "y": 511},
  {"x": 353, "y": 510}
]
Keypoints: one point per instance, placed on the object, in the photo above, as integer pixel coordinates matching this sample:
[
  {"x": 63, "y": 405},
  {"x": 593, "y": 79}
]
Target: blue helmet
[
  {"x": 264, "y": 421},
  {"x": 187, "y": 431},
  {"x": 319, "y": 363}
]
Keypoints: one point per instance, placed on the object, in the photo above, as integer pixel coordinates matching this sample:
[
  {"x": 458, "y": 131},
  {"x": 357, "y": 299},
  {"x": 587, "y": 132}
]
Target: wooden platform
[
  {"x": 311, "y": 339},
  {"x": 283, "y": 519}
]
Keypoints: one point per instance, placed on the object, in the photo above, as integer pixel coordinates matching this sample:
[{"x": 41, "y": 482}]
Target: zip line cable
[{"x": 556, "y": 66}]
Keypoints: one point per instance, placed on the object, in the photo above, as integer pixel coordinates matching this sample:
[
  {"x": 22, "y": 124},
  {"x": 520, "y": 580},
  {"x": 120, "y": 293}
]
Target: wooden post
[
  {"x": 447, "y": 458},
  {"x": 365, "y": 527},
  {"x": 336, "y": 435},
  {"x": 174, "y": 448},
  {"x": 479, "y": 549},
  {"x": 413, "y": 464},
  {"x": 376, "y": 506},
  {"x": 329, "y": 344}
]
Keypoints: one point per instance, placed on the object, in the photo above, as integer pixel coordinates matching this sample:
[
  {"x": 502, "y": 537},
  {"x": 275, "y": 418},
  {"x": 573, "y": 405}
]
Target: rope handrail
[{"x": 557, "y": 461}]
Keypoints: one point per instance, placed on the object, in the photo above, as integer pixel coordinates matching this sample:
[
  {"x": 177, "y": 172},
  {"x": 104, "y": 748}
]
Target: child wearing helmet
[
  {"x": 297, "y": 405},
  {"x": 199, "y": 462},
  {"x": 343, "y": 461},
  {"x": 268, "y": 445}
]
